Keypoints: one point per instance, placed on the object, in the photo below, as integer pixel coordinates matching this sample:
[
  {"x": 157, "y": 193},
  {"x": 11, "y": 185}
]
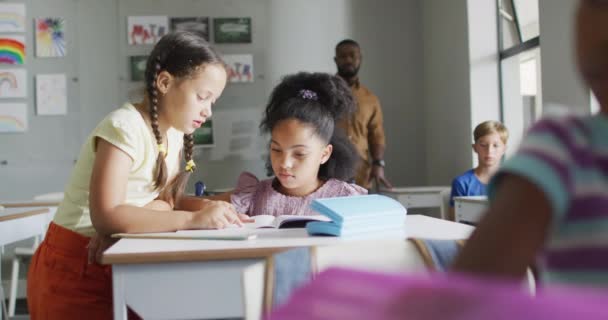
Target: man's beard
[{"x": 348, "y": 72}]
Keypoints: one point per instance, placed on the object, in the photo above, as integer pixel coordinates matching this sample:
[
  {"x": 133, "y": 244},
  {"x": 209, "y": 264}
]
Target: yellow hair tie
[
  {"x": 161, "y": 149},
  {"x": 190, "y": 166}
]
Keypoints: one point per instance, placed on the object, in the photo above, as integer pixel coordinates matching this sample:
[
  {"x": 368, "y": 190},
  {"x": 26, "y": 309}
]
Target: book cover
[{"x": 352, "y": 208}]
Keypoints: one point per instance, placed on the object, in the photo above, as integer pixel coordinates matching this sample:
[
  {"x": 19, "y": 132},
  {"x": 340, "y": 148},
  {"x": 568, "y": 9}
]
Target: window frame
[{"x": 504, "y": 54}]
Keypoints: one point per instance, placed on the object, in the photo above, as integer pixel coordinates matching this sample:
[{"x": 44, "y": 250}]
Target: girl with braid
[
  {"x": 128, "y": 179},
  {"x": 310, "y": 157}
]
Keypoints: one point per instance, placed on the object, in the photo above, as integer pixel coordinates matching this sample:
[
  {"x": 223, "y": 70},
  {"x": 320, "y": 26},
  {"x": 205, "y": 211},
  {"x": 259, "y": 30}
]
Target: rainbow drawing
[
  {"x": 13, "y": 83},
  {"x": 8, "y": 77},
  {"x": 12, "y": 50},
  {"x": 50, "y": 37},
  {"x": 13, "y": 117},
  {"x": 12, "y": 17}
]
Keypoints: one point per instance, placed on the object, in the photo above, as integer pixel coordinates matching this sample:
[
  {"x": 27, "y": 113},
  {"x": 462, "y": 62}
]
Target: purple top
[{"x": 254, "y": 197}]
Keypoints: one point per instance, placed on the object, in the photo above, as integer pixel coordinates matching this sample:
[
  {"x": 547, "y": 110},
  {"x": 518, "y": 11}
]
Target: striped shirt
[{"x": 567, "y": 159}]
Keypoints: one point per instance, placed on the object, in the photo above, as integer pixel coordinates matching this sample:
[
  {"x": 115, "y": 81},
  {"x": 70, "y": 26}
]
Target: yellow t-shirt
[{"x": 126, "y": 129}]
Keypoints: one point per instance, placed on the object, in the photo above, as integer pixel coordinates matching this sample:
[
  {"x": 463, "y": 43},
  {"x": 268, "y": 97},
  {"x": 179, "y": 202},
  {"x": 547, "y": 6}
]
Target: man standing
[{"x": 364, "y": 128}]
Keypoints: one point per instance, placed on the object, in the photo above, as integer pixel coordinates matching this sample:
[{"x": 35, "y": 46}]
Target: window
[{"x": 519, "y": 68}]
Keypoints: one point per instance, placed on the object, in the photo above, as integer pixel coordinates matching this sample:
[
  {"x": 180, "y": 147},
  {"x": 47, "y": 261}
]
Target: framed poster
[
  {"x": 199, "y": 25},
  {"x": 203, "y": 136},
  {"x": 138, "y": 67},
  {"x": 146, "y": 29},
  {"x": 232, "y": 30},
  {"x": 240, "y": 67}
]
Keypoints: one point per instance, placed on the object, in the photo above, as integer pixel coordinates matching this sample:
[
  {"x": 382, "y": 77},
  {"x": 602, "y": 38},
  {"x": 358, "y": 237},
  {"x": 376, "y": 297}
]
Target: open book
[
  {"x": 233, "y": 232},
  {"x": 283, "y": 221}
]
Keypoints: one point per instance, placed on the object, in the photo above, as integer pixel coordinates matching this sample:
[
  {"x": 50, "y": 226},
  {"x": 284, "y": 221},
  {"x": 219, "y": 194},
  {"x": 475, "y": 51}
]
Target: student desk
[
  {"x": 161, "y": 278},
  {"x": 20, "y": 223},
  {"x": 421, "y": 197},
  {"x": 470, "y": 209}
]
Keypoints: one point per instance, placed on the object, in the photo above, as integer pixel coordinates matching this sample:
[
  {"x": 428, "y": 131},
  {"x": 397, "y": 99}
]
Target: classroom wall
[
  {"x": 33, "y": 162},
  {"x": 288, "y": 36},
  {"x": 483, "y": 56},
  {"x": 390, "y": 32},
  {"x": 562, "y": 87},
  {"x": 447, "y": 87},
  {"x": 425, "y": 104}
]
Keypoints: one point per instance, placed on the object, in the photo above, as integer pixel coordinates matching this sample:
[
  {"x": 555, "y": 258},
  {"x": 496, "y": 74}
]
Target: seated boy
[{"x": 490, "y": 145}]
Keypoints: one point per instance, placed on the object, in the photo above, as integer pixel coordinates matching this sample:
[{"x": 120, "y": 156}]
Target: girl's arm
[
  {"x": 110, "y": 214},
  {"x": 190, "y": 203},
  {"x": 510, "y": 234}
]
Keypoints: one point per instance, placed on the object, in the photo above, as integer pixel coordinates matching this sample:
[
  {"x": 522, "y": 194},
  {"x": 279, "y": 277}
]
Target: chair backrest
[
  {"x": 53, "y": 196},
  {"x": 381, "y": 255},
  {"x": 438, "y": 255},
  {"x": 291, "y": 269},
  {"x": 445, "y": 205}
]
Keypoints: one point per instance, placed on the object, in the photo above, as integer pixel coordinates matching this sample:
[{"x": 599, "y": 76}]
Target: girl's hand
[
  {"x": 245, "y": 218},
  {"x": 215, "y": 215}
]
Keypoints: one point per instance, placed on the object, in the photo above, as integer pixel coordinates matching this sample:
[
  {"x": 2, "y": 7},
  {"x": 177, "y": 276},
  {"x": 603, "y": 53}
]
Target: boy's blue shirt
[{"x": 466, "y": 185}]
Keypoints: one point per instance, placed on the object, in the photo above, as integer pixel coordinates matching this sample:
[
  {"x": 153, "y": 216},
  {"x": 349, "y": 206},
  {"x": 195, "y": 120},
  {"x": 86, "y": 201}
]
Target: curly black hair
[{"x": 319, "y": 100}]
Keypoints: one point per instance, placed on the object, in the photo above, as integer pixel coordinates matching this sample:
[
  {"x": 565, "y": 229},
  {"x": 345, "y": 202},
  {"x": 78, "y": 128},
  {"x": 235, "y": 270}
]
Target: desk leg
[
  {"x": 2, "y": 297},
  {"x": 444, "y": 211},
  {"x": 118, "y": 293}
]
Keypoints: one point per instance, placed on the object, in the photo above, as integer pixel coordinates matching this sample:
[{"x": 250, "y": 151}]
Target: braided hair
[
  {"x": 179, "y": 53},
  {"x": 321, "y": 101}
]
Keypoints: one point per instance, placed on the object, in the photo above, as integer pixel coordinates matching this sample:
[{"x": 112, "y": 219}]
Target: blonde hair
[{"x": 489, "y": 127}]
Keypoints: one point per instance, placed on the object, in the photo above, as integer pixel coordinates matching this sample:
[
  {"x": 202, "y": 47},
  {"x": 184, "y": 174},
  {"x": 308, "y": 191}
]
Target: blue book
[
  {"x": 341, "y": 209},
  {"x": 358, "y": 216},
  {"x": 332, "y": 229}
]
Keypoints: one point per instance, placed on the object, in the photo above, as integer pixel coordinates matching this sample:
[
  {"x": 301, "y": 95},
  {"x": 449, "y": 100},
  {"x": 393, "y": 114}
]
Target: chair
[
  {"x": 24, "y": 253},
  {"x": 445, "y": 204},
  {"x": 438, "y": 255},
  {"x": 21, "y": 254}
]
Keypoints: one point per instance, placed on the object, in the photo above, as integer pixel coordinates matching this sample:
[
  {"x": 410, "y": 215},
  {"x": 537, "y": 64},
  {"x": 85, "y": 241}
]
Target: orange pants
[{"x": 61, "y": 284}]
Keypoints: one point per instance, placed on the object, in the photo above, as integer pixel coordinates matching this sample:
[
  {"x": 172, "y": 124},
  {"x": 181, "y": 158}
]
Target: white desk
[
  {"x": 162, "y": 279},
  {"x": 18, "y": 224},
  {"x": 470, "y": 209},
  {"x": 421, "y": 197}
]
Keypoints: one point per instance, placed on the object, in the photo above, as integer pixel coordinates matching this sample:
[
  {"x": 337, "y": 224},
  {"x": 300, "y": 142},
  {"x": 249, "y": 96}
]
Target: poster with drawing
[
  {"x": 12, "y": 49},
  {"x": 199, "y": 25},
  {"x": 13, "y": 83},
  {"x": 12, "y": 17},
  {"x": 51, "y": 94},
  {"x": 240, "y": 67},
  {"x": 144, "y": 30},
  {"x": 237, "y": 135},
  {"x": 50, "y": 37},
  {"x": 13, "y": 117}
]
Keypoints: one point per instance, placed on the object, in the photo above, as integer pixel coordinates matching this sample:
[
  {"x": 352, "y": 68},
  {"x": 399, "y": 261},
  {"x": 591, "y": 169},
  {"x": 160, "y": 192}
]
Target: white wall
[
  {"x": 446, "y": 90},
  {"x": 390, "y": 35},
  {"x": 289, "y": 36},
  {"x": 483, "y": 64},
  {"x": 303, "y": 37},
  {"x": 561, "y": 84}
]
